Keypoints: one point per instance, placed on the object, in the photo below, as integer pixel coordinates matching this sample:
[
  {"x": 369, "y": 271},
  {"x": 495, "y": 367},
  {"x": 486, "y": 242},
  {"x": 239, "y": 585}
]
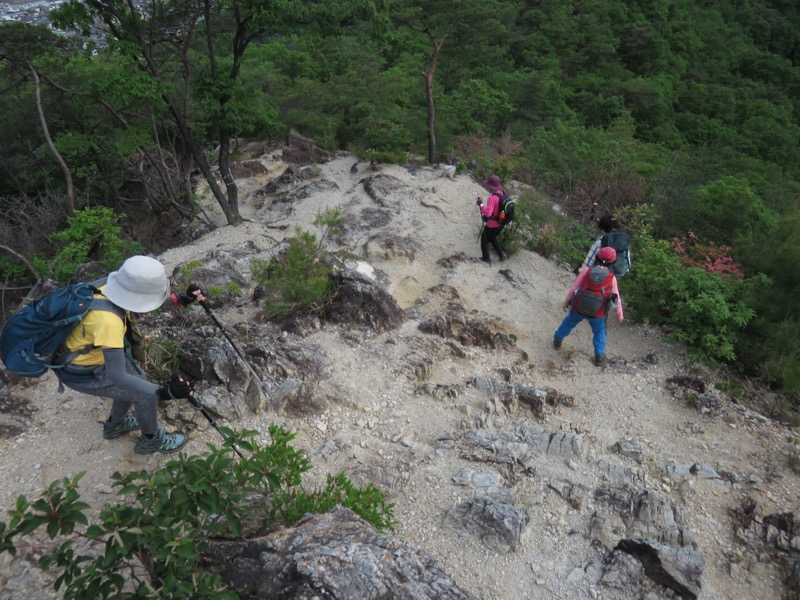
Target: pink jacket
[
  {"x": 578, "y": 283},
  {"x": 491, "y": 209}
]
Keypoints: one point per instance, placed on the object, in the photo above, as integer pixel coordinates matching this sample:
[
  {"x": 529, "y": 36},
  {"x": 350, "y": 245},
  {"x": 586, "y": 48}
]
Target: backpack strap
[
  {"x": 496, "y": 216},
  {"x": 94, "y": 304}
]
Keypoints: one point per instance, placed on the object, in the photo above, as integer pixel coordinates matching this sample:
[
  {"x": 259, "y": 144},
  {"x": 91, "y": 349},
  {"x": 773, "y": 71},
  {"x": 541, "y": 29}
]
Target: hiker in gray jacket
[{"x": 99, "y": 365}]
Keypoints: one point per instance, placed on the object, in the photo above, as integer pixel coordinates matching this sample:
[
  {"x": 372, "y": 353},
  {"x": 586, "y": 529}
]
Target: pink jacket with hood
[{"x": 491, "y": 207}]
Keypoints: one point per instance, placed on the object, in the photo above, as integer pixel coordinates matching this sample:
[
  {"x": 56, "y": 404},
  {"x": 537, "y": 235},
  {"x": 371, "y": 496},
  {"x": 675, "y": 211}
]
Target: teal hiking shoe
[
  {"x": 160, "y": 442},
  {"x": 111, "y": 431}
]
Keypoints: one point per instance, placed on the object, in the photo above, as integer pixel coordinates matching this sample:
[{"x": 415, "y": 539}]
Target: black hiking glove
[
  {"x": 177, "y": 387},
  {"x": 188, "y": 297},
  {"x": 478, "y": 201}
]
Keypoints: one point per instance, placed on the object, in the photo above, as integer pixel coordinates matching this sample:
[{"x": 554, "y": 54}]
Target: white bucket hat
[{"x": 140, "y": 285}]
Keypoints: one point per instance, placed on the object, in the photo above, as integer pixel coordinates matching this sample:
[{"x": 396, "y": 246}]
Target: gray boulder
[{"x": 335, "y": 556}]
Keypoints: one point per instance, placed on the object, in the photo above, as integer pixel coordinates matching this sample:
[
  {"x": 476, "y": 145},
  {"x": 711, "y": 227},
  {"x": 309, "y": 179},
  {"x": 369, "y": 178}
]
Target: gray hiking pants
[{"x": 127, "y": 389}]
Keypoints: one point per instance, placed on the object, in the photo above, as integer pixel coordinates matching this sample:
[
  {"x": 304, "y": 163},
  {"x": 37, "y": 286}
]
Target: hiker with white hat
[{"x": 100, "y": 366}]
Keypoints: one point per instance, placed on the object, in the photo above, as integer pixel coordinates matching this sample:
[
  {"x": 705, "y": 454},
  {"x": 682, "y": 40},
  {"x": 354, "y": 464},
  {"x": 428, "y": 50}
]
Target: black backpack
[
  {"x": 618, "y": 240},
  {"x": 506, "y": 208}
]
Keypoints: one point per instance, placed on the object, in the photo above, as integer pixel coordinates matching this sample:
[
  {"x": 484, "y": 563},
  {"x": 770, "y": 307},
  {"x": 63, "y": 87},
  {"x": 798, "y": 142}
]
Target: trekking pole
[
  {"x": 211, "y": 314},
  {"x": 197, "y": 406}
]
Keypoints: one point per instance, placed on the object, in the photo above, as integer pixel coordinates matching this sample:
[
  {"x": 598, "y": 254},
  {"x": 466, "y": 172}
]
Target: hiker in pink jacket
[
  {"x": 491, "y": 214},
  {"x": 601, "y": 293}
]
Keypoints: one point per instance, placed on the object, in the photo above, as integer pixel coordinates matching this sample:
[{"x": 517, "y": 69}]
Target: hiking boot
[
  {"x": 503, "y": 256},
  {"x": 128, "y": 423},
  {"x": 160, "y": 442},
  {"x": 556, "y": 343},
  {"x": 486, "y": 259},
  {"x": 599, "y": 360}
]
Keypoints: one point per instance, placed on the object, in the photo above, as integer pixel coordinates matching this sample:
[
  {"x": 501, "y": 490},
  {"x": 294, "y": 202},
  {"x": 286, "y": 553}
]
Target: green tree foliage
[
  {"x": 200, "y": 47},
  {"x": 149, "y": 544},
  {"x": 731, "y": 211},
  {"x": 297, "y": 281},
  {"x": 92, "y": 234},
  {"x": 692, "y": 107},
  {"x": 478, "y": 108},
  {"x": 709, "y": 309}
]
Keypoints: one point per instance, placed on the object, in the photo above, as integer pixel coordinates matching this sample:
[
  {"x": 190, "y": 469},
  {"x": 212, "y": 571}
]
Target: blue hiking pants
[{"x": 598, "y": 329}]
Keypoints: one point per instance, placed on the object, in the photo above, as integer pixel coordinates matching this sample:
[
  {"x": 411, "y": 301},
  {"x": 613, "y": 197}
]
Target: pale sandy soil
[{"x": 376, "y": 418}]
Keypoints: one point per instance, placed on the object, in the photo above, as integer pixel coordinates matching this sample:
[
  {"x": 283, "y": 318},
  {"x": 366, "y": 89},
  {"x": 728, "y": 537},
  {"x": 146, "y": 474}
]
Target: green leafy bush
[
  {"x": 709, "y": 309},
  {"x": 150, "y": 543},
  {"x": 11, "y": 268},
  {"x": 297, "y": 281},
  {"x": 92, "y": 234},
  {"x": 393, "y": 157}
]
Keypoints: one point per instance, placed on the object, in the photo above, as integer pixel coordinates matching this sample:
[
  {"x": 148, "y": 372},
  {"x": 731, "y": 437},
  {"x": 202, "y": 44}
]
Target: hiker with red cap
[
  {"x": 490, "y": 212},
  {"x": 592, "y": 294}
]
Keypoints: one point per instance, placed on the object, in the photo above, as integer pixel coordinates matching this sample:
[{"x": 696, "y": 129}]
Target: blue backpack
[{"x": 33, "y": 337}]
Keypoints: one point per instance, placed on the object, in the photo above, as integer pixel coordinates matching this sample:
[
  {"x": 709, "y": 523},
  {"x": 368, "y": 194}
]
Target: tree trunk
[
  {"x": 431, "y": 117},
  {"x": 428, "y": 76},
  {"x": 231, "y": 212},
  {"x": 53, "y": 149},
  {"x": 225, "y": 168}
]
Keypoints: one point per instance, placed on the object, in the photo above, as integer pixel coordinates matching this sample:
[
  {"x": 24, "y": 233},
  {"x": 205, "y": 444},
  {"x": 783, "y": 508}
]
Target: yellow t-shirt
[{"x": 100, "y": 328}]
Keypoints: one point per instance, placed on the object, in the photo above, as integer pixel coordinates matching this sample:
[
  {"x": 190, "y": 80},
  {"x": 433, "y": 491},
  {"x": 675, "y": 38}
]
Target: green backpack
[{"x": 618, "y": 240}]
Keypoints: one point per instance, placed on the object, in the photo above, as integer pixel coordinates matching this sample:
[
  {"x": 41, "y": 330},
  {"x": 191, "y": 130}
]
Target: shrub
[
  {"x": 387, "y": 156},
  {"x": 297, "y": 281},
  {"x": 150, "y": 543},
  {"x": 92, "y": 234},
  {"x": 710, "y": 310}
]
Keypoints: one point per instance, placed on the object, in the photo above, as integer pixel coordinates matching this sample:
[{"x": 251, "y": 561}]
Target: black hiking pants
[{"x": 489, "y": 236}]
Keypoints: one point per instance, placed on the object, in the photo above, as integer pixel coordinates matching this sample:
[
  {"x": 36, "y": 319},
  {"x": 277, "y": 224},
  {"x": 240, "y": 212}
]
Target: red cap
[{"x": 607, "y": 255}]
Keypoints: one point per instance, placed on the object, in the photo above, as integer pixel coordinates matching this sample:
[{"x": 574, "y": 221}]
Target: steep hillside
[{"x": 591, "y": 460}]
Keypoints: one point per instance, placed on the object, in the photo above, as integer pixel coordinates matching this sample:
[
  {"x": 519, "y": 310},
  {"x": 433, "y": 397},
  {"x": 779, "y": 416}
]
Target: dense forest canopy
[{"x": 683, "y": 116}]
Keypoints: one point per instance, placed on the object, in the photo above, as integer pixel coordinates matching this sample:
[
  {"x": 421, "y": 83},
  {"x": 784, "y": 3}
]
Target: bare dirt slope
[{"x": 383, "y": 424}]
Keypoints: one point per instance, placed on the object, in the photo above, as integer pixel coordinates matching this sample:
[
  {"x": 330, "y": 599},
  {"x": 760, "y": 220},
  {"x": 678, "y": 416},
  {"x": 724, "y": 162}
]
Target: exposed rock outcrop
[{"x": 336, "y": 556}]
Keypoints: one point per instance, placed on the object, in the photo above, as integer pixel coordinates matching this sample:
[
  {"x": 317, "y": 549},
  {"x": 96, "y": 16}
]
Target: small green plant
[
  {"x": 330, "y": 222},
  {"x": 162, "y": 358},
  {"x": 514, "y": 237},
  {"x": 690, "y": 400},
  {"x": 507, "y": 338},
  {"x": 92, "y": 234},
  {"x": 732, "y": 388},
  {"x": 187, "y": 269},
  {"x": 12, "y": 269},
  {"x": 150, "y": 543},
  {"x": 297, "y": 281},
  {"x": 232, "y": 289}
]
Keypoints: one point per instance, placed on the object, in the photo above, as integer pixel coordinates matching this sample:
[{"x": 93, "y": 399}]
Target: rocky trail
[{"x": 523, "y": 471}]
